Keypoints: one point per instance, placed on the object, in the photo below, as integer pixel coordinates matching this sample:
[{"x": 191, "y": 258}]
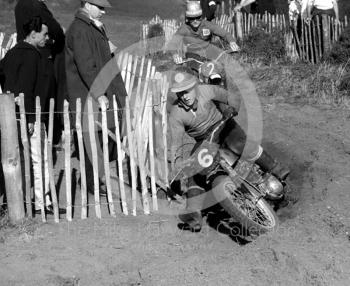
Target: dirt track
[{"x": 311, "y": 246}]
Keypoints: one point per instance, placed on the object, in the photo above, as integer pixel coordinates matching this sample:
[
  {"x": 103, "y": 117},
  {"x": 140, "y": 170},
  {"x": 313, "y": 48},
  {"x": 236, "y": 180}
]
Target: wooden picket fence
[
  {"x": 309, "y": 44},
  {"x": 313, "y": 39},
  {"x": 147, "y": 95}
]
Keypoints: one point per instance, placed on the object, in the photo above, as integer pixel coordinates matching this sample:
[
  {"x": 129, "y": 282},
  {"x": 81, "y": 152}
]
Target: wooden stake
[
  {"x": 128, "y": 73},
  {"x": 151, "y": 151},
  {"x": 312, "y": 57},
  {"x": 141, "y": 161},
  {"x": 319, "y": 36},
  {"x": 120, "y": 159},
  {"x": 124, "y": 66},
  {"x": 131, "y": 156},
  {"x": 94, "y": 156},
  {"x": 37, "y": 128},
  {"x": 133, "y": 75},
  {"x": 50, "y": 162},
  {"x": 10, "y": 158},
  {"x": 314, "y": 41},
  {"x": 165, "y": 129},
  {"x": 83, "y": 187},
  {"x": 106, "y": 159},
  {"x": 67, "y": 160},
  {"x": 26, "y": 155}
]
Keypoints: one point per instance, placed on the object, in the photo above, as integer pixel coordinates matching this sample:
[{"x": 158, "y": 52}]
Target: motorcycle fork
[{"x": 235, "y": 177}]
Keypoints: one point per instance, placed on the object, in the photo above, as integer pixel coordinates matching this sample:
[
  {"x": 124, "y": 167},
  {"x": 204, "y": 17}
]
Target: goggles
[{"x": 192, "y": 19}]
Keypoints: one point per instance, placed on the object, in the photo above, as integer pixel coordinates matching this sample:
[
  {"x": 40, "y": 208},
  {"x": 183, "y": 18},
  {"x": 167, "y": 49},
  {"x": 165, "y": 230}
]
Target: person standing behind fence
[
  {"x": 53, "y": 78},
  {"x": 88, "y": 50},
  {"x": 324, "y": 7},
  {"x": 318, "y": 8},
  {"x": 242, "y": 4},
  {"x": 23, "y": 73},
  {"x": 209, "y": 8}
]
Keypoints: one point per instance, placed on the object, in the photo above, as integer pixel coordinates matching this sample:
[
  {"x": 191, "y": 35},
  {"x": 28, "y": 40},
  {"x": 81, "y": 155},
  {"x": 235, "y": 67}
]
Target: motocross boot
[
  {"x": 192, "y": 217},
  {"x": 268, "y": 164}
]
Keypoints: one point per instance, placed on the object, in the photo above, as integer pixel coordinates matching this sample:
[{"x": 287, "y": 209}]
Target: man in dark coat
[
  {"x": 92, "y": 70},
  {"x": 52, "y": 60},
  {"x": 23, "y": 71},
  {"x": 87, "y": 53}
]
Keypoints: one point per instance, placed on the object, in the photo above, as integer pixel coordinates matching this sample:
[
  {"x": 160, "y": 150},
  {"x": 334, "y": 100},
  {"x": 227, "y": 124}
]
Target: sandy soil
[{"x": 311, "y": 246}]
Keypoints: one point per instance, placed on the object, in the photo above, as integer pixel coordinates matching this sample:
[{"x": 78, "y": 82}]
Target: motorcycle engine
[{"x": 272, "y": 187}]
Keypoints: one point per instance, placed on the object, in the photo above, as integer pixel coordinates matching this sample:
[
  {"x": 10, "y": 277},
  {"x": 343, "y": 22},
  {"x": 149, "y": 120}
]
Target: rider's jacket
[
  {"x": 188, "y": 40},
  {"x": 196, "y": 122}
]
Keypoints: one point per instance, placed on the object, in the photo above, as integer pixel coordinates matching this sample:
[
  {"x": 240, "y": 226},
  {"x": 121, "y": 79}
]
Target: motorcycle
[{"x": 242, "y": 189}]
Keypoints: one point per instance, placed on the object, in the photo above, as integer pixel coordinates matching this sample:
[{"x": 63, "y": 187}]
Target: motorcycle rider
[
  {"x": 193, "y": 37},
  {"x": 195, "y": 112}
]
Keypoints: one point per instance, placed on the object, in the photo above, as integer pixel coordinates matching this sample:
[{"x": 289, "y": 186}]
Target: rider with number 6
[{"x": 195, "y": 112}]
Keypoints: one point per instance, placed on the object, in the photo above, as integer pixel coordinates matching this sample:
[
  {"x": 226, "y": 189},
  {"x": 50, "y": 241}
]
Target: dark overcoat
[
  {"x": 87, "y": 53},
  {"x": 53, "y": 79},
  {"x": 22, "y": 73}
]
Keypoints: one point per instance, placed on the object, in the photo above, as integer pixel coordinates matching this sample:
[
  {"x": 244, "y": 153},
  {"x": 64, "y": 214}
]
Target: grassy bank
[{"x": 301, "y": 83}]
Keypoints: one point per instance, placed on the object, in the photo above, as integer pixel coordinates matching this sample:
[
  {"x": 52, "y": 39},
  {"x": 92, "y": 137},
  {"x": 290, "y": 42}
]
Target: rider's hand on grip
[
  {"x": 177, "y": 59},
  {"x": 229, "y": 112},
  {"x": 234, "y": 47}
]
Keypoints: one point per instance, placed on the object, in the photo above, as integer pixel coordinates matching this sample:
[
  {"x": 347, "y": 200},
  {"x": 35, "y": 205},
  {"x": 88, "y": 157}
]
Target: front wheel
[{"x": 244, "y": 205}]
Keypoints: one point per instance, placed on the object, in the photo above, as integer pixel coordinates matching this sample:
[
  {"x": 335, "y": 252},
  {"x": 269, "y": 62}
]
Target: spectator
[
  {"x": 87, "y": 51},
  {"x": 323, "y": 7},
  {"x": 52, "y": 60},
  {"x": 23, "y": 74},
  {"x": 317, "y": 8},
  {"x": 209, "y": 8},
  {"x": 243, "y": 4}
]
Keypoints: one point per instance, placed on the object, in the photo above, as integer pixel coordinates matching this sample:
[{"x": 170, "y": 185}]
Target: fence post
[
  {"x": 26, "y": 155},
  {"x": 67, "y": 160},
  {"x": 131, "y": 155},
  {"x": 10, "y": 158},
  {"x": 106, "y": 159},
  {"x": 238, "y": 19},
  {"x": 83, "y": 187},
  {"x": 37, "y": 129},
  {"x": 120, "y": 159},
  {"x": 326, "y": 33},
  {"x": 94, "y": 156},
  {"x": 50, "y": 161}
]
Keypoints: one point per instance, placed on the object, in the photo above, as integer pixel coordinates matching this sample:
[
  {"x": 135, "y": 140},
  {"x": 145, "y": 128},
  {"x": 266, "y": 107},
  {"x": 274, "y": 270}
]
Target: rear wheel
[{"x": 244, "y": 205}]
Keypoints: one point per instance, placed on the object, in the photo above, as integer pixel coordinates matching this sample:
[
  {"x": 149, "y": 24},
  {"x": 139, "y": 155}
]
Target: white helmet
[{"x": 193, "y": 9}]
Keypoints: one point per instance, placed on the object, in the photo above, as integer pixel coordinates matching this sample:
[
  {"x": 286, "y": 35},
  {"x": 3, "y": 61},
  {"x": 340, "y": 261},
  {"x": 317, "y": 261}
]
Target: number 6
[{"x": 205, "y": 159}]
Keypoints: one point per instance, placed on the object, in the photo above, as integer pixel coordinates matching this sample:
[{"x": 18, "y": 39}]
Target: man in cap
[
  {"x": 195, "y": 35},
  {"x": 88, "y": 51},
  {"x": 195, "y": 112}
]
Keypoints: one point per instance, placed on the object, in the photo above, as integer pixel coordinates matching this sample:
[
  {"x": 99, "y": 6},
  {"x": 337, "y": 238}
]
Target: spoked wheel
[{"x": 244, "y": 205}]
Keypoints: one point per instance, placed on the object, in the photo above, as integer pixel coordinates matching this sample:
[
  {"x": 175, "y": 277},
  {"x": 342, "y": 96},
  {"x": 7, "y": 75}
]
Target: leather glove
[
  {"x": 234, "y": 47},
  {"x": 177, "y": 59},
  {"x": 229, "y": 111}
]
